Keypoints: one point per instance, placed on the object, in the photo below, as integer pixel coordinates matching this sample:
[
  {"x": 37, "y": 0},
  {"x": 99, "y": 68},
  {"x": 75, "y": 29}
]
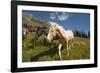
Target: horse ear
[{"x": 54, "y": 25}]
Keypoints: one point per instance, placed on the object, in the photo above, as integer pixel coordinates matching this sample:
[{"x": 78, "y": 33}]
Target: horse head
[{"x": 52, "y": 31}]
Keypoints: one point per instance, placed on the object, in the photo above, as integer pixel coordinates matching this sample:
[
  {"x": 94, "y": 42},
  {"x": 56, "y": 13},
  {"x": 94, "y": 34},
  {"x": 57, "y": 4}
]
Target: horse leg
[
  {"x": 71, "y": 44},
  {"x": 67, "y": 49},
  {"x": 60, "y": 45}
]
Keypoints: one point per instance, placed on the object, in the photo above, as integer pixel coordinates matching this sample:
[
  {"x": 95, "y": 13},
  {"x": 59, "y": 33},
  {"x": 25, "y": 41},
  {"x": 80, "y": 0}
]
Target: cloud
[
  {"x": 59, "y": 16},
  {"x": 52, "y": 16},
  {"x": 63, "y": 16}
]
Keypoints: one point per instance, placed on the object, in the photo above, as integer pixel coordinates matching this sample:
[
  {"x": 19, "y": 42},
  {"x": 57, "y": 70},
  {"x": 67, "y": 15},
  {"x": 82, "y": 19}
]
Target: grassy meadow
[{"x": 36, "y": 48}]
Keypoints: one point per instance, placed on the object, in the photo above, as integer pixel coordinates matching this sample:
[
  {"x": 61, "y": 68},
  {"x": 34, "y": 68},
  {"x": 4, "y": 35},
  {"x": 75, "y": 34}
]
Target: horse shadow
[{"x": 51, "y": 52}]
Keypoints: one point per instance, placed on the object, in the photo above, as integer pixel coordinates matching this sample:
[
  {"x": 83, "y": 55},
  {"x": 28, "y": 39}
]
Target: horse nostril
[{"x": 48, "y": 40}]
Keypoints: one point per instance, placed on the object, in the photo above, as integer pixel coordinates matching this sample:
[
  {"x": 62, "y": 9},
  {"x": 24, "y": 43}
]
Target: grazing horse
[
  {"x": 41, "y": 31},
  {"x": 28, "y": 28},
  {"x": 64, "y": 36},
  {"x": 38, "y": 30}
]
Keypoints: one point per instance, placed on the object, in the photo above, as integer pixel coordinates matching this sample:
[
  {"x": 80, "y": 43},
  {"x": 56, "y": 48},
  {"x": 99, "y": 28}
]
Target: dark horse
[
  {"x": 38, "y": 30},
  {"x": 42, "y": 30}
]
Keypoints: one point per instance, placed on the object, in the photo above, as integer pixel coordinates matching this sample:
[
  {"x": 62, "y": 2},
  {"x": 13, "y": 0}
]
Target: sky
[{"x": 69, "y": 20}]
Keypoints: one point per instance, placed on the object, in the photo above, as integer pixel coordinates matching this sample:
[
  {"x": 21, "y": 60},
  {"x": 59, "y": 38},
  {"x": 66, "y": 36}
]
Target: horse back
[{"x": 69, "y": 34}]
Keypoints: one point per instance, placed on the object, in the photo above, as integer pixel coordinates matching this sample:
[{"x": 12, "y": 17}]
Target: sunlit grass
[{"x": 42, "y": 51}]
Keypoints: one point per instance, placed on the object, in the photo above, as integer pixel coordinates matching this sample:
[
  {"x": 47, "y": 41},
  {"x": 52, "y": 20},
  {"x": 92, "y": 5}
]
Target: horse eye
[{"x": 51, "y": 31}]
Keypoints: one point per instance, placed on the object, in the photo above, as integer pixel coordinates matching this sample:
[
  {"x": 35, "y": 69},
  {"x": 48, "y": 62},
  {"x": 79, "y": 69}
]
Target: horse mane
[
  {"x": 59, "y": 29},
  {"x": 53, "y": 23}
]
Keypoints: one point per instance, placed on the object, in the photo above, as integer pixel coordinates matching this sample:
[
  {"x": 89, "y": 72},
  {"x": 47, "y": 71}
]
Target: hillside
[{"x": 34, "y": 22}]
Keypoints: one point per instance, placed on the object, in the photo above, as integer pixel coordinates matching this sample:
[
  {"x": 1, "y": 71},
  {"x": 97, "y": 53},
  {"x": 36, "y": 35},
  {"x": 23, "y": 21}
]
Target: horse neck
[{"x": 61, "y": 38}]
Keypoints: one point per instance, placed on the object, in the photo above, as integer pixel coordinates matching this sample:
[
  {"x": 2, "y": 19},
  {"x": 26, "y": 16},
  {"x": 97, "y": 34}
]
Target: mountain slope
[{"x": 34, "y": 22}]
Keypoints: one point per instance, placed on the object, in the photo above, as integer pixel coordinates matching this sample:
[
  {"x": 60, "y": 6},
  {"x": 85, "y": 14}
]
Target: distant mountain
[{"x": 34, "y": 22}]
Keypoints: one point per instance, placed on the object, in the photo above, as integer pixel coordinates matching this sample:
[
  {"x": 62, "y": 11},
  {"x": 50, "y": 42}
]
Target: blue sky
[{"x": 69, "y": 20}]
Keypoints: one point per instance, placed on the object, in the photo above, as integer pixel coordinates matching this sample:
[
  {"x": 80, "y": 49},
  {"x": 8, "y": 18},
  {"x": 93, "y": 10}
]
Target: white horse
[
  {"x": 24, "y": 31},
  {"x": 64, "y": 36}
]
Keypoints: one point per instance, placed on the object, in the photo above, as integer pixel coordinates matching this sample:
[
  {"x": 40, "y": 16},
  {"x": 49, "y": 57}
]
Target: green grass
[{"x": 41, "y": 50}]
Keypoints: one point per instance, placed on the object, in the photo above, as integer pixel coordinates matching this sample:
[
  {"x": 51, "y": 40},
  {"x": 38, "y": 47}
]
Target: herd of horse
[
  {"x": 38, "y": 30},
  {"x": 55, "y": 31}
]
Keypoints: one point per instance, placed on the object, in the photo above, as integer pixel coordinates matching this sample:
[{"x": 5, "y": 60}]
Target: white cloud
[
  {"x": 52, "y": 16},
  {"x": 63, "y": 16}
]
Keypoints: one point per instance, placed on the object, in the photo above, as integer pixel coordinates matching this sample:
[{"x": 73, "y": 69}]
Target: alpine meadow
[{"x": 35, "y": 29}]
